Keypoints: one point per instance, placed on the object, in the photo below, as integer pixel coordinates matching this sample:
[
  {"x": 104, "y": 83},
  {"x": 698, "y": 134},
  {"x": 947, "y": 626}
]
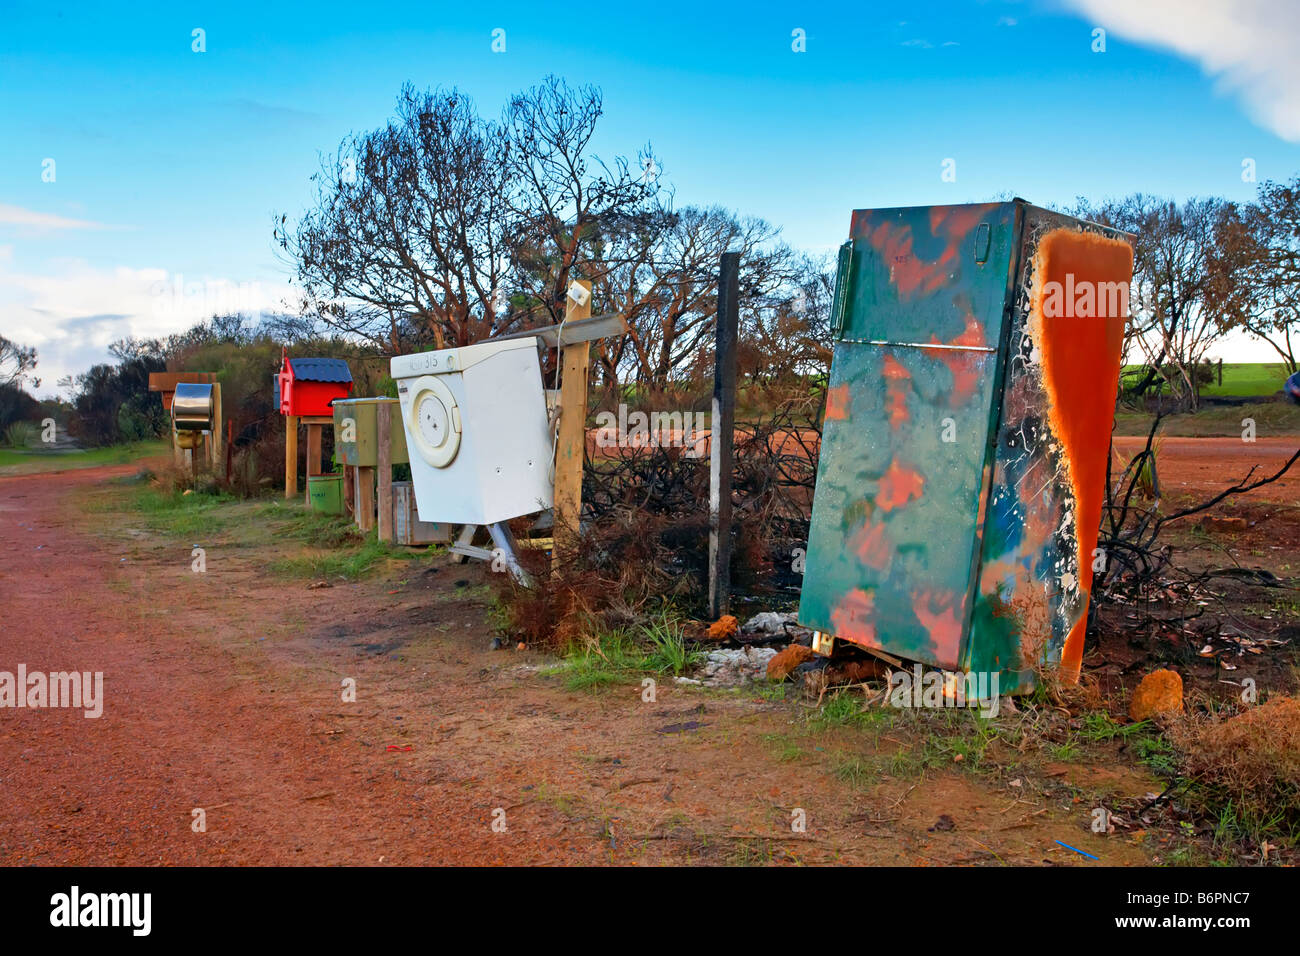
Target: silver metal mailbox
[{"x": 193, "y": 407}]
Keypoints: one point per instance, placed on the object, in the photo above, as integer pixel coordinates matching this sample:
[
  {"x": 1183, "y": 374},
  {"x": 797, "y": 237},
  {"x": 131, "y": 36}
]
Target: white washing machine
[{"x": 476, "y": 430}]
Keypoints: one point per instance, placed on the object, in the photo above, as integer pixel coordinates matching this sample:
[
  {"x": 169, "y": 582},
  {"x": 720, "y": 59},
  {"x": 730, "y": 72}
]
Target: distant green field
[
  {"x": 1243, "y": 380},
  {"x": 1248, "y": 380},
  {"x": 31, "y": 461},
  {"x": 1272, "y": 420}
]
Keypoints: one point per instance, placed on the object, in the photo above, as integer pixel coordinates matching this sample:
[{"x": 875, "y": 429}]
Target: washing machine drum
[{"x": 435, "y": 421}]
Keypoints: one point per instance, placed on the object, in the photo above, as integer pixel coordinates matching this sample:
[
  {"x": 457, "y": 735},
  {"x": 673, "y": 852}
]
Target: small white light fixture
[{"x": 578, "y": 294}]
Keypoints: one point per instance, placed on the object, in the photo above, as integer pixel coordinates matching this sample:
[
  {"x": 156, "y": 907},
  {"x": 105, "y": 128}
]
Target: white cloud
[
  {"x": 1252, "y": 47},
  {"x": 18, "y": 216},
  {"x": 72, "y": 313}
]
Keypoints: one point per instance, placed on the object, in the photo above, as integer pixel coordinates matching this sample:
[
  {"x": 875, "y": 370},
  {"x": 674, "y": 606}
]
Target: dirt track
[
  {"x": 222, "y": 691},
  {"x": 1205, "y": 466}
]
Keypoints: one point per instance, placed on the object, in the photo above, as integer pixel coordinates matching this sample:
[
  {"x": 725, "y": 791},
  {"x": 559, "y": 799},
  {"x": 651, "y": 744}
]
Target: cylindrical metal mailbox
[{"x": 192, "y": 407}]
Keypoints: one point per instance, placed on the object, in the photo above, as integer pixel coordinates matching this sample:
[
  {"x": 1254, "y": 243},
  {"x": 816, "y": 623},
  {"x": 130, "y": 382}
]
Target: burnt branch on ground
[
  {"x": 653, "y": 499},
  {"x": 1141, "y": 583}
]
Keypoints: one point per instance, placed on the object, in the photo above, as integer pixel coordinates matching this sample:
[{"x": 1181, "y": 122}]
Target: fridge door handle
[
  {"x": 983, "y": 235},
  {"x": 843, "y": 280}
]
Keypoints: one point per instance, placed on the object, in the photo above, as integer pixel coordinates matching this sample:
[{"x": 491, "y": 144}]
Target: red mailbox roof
[{"x": 319, "y": 370}]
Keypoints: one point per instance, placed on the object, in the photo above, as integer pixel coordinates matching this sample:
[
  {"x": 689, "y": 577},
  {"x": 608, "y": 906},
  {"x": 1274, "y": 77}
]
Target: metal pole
[{"x": 722, "y": 429}]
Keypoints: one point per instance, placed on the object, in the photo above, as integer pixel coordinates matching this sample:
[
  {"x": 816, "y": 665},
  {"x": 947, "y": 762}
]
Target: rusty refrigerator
[{"x": 968, "y": 417}]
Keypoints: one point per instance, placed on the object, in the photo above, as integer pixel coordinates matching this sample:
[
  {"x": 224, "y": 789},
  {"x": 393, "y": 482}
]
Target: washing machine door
[{"x": 435, "y": 421}]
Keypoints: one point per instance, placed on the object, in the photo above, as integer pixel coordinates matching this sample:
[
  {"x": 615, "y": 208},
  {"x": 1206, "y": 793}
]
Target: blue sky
[{"x": 171, "y": 163}]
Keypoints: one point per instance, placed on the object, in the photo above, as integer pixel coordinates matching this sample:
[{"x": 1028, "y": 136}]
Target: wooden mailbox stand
[
  {"x": 165, "y": 383},
  {"x": 314, "y": 425},
  {"x": 384, "y": 434},
  {"x": 364, "y": 485},
  {"x": 571, "y": 441},
  {"x": 305, "y": 390}
]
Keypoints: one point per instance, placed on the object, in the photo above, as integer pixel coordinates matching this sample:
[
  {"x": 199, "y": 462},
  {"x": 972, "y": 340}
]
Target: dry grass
[
  {"x": 1247, "y": 768},
  {"x": 622, "y": 570}
]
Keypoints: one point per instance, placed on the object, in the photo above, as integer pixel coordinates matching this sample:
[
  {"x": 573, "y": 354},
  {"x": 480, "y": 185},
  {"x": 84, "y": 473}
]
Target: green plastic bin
[{"x": 325, "y": 492}]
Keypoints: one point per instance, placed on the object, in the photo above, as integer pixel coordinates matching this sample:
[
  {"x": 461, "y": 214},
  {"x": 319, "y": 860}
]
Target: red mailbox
[{"x": 307, "y": 386}]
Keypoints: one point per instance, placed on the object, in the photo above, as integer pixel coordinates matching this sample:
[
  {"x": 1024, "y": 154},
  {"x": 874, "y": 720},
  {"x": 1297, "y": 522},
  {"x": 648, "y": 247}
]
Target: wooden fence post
[
  {"x": 313, "y": 458},
  {"x": 290, "y": 456},
  {"x": 383, "y": 434},
  {"x": 575, "y": 360},
  {"x": 365, "y": 513},
  {"x": 215, "y": 454}
]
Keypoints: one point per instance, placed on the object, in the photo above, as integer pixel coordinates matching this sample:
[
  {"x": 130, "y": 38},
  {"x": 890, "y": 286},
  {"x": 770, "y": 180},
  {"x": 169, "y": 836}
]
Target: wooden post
[
  {"x": 214, "y": 452},
  {"x": 290, "y": 456},
  {"x": 365, "y": 508},
  {"x": 313, "y": 457},
  {"x": 349, "y": 489},
  {"x": 229, "y": 450},
  {"x": 575, "y": 360},
  {"x": 722, "y": 429},
  {"x": 383, "y": 435}
]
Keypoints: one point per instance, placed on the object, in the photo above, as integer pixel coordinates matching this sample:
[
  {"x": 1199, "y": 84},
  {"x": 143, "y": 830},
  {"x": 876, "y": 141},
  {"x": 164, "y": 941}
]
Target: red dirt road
[
  {"x": 222, "y": 692},
  {"x": 183, "y": 727},
  {"x": 1206, "y": 466}
]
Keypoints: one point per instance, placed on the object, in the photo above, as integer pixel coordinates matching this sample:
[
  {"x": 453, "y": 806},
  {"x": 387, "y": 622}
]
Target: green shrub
[{"x": 20, "y": 435}]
